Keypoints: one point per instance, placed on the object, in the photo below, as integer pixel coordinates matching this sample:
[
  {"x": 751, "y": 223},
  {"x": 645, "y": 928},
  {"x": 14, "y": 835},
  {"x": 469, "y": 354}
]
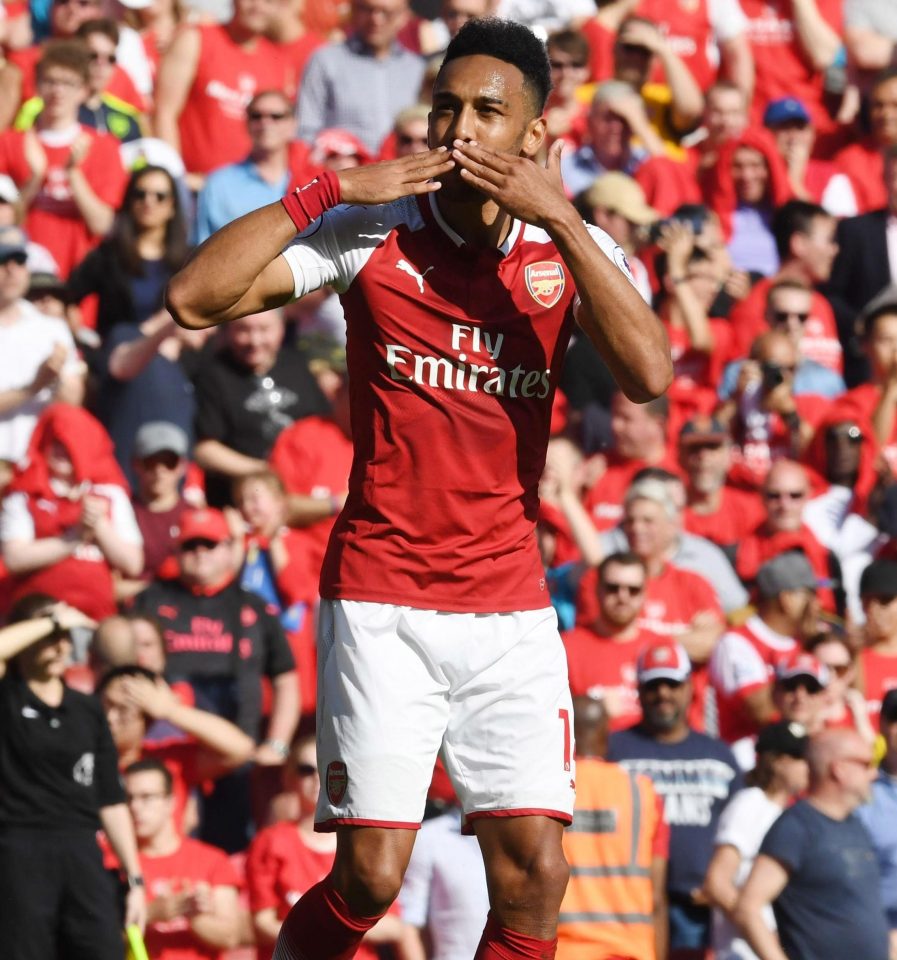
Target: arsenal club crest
[
  {"x": 545, "y": 281},
  {"x": 337, "y": 780}
]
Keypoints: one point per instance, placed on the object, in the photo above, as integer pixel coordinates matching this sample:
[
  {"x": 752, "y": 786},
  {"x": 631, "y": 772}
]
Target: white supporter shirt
[
  {"x": 24, "y": 345},
  {"x": 444, "y": 889}
]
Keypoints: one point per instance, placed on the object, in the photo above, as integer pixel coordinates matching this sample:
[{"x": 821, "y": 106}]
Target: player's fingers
[
  {"x": 553, "y": 160},
  {"x": 491, "y": 189},
  {"x": 481, "y": 170},
  {"x": 487, "y": 158}
]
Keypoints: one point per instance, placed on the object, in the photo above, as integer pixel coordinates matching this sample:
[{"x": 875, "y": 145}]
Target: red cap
[
  {"x": 666, "y": 660},
  {"x": 206, "y": 524},
  {"x": 803, "y": 665}
]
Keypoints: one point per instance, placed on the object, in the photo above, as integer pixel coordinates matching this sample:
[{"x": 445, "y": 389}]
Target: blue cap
[{"x": 785, "y": 110}]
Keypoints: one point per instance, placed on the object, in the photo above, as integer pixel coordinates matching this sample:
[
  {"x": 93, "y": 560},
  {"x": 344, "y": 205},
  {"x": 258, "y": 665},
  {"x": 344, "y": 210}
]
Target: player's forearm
[
  {"x": 119, "y": 829},
  {"x": 213, "y": 285},
  {"x": 624, "y": 330}
]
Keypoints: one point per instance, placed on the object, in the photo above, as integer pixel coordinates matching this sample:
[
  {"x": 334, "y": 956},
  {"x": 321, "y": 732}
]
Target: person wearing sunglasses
[
  {"x": 800, "y": 681},
  {"x": 274, "y": 160},
  {"x": 817, "y": 867},
  {"x": 285, "y": 859},
  {"x": 845, "y": 705}
]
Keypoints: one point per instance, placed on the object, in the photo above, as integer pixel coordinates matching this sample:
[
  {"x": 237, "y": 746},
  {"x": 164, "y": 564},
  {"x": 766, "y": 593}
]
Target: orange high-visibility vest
[{"x": 608, "y": 907}]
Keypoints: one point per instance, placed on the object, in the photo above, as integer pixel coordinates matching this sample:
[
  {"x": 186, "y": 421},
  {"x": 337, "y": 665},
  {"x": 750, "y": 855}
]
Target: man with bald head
[{"x": 817, "y": 867}]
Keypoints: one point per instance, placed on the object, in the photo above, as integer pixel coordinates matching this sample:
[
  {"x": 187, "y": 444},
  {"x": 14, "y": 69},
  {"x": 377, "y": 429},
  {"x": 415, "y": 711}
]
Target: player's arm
[
  {"x": 766, "y": 881},
  {"x": 624, "y": 330},
  {"x": 239, "y": 270}
]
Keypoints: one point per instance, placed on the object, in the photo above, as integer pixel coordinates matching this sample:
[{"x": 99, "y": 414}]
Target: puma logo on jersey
[{"x": 406, "y": 267}]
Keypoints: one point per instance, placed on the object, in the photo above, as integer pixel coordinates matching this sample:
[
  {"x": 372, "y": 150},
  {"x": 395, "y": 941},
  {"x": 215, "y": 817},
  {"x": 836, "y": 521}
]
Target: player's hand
[
  {"x": 153, "y": 697},
  {"x": 391, "y": 179},
  {"x": 135, "y": 908},
  {"x": 518, "y": 185}
]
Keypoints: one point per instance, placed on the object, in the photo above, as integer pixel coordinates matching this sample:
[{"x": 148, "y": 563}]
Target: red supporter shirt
[
  {"x": 745, "y": 660},
  {"x": 454, "y": 355},
  {"x": 296, "y": 54},
  {"x": 864, "y": 163},
  {"x": 313, "y": 457},
  {"x": 739, "y": 514},
  {"x": 601, "y": 50},
  {"x": 605, "y": 668},
  {"x": 180, "y": 757},
  {"x": 879, "y": 672},
  {"x": 782, "y": 68},
  {"x": 695, "y": 373},
  {"x": 820, "y": 339},
  {"x": 213, "y": 122},
  {"x": 280, "y": 868},
  {"x": 604, "y": 502},
  {"x": 859, "y": 404},
  {"x": 193, "y": 862},
  {"x": 686, "y": 26},
  {"x": 53, "y": 219}
]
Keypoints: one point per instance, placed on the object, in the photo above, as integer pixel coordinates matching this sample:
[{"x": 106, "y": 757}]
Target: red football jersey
[
  {"x": 454, "y": 355},
  {"x": 686, "y": 26},
  {"x": 739, "y": 514},
  {"x": 191, "y": 863},
  {"x": 879, "y": 672},
  {"x": 213, "y": 121},
  {"x": 604, "y": 501}
]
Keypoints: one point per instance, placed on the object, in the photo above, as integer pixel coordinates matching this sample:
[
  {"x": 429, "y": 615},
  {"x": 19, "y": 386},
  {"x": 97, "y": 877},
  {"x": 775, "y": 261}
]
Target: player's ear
[{"x": 534, "y": 137}]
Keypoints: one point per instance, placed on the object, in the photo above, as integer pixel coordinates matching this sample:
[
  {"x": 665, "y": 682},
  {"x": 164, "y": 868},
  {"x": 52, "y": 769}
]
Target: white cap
[{"x": 9, "y": 192}]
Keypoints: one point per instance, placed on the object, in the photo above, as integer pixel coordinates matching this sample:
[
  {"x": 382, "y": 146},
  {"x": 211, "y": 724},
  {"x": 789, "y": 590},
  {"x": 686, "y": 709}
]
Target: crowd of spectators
[{"x": 721, "y": 559}]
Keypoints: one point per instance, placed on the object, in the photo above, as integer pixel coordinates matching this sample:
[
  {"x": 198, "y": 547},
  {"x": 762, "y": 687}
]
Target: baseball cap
[
  {"x": 879, "y": 579},
  {"x": 205, "y": 524},
  {"x": 158, "y": 436},
  {"x": 803, "y": 665},
  {"x": 701, "y": 428},
  {"x": 9, "y": 192},
  {"x": 787, "y": 571},
  {"x": 785, "y": 737},
  {"x": 889, "y": 706},
  {"x": 666, "y": 660},
  {"x": 617, "y": 192},
  {"x": 785, "y": 110},
  {"x": 12, "y": 241}
]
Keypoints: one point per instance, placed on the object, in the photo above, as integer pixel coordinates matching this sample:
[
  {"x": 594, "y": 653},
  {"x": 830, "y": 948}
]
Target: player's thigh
[
  {"x": 90, "y": 923},
  {"x": 382, "y": 712},
  {"x": 29, "y": 896},
  {"x": 509, "y": 743}
]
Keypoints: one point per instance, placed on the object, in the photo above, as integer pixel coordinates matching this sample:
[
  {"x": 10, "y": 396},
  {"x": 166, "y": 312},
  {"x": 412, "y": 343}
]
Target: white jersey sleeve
[
  {"x": 334, "y": 248},
  {"x": 121, "y": 512},
  {"x": 735, "y": 665},
  {"x": 15, "y": 520},
  {"x": 614, "y": 252},
  {"x": 727, "y": 19}
]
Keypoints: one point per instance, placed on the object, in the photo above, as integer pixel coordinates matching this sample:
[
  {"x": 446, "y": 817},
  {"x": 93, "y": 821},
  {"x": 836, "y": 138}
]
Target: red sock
[
  {"x": 321, "y": 927},
  {"x": 500, "y": 943}
]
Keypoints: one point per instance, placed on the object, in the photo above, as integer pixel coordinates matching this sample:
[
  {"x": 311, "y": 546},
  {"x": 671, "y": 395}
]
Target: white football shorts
[{"x": 398, "y": 685}]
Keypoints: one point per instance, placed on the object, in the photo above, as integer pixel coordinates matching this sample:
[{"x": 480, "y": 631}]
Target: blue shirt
[
  {"x": 752, "y": 246},
  {"x": 695, "y": 777},
  {"x": 809, "y": 377},
  {"x": 230, "y": 192},
  {"x": 580, "y": 168},
  {"x": 831, "y": 906},
  {"x": 880, "y": 819}
]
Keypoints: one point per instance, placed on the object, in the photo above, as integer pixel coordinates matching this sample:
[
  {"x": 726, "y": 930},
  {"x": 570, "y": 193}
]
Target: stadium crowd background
[{"x": 167, "y": 494}]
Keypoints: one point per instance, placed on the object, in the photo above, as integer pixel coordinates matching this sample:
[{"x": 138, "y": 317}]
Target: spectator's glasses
[
  {"x": 18, "y": 258},
  {"x": 793, "y": 684},
  {"x": 405, "y": 140},
  {"x": 256, "y": 115},
  {"x": 306, "y": 769},
  {"x": 567, "y": 64},
  {"x": 784, "y": 494},
  {"x": 160, "y": 196},
  {"x": 838, "y": 669},
  {"x": 652, "y": 686},
  {"x": 108, "y": 58},
  {"x": 783, "y": 316},
  {"x": 615, "y": 588},
  {"x": 188, "y": 546},
  {"x": 165, "y": 459}
]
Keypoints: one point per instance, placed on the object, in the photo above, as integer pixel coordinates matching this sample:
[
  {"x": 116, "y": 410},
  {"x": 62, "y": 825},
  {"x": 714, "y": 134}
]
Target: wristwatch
[
  {"x": 135, "y": 880},
  {"x": 279, "y": 747}
]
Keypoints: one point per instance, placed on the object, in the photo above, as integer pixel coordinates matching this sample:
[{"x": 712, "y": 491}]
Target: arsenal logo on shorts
[
  {"x": 337, "y": 781},
  {"x": 545, "y": 281}
]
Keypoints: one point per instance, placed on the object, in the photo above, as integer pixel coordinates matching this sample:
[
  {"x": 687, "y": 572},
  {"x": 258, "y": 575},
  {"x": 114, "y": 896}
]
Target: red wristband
[{"x": 306, "y": 204}]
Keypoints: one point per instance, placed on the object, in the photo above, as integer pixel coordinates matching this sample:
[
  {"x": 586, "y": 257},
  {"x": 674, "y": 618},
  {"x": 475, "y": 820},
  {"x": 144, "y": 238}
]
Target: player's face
[
  {"x": 750, "y": 175},
  {"x": 882, "y": 346},
  {"x": 621, "y": 592},
  {"x": 883, "y": 112},
  {"x": 485, "y": 100},
  {"x": 706, "y": 462},
  {"x": 148, "y": 802}
]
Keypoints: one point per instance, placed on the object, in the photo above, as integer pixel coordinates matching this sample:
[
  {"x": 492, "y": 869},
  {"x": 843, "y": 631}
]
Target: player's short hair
[
  {"x": 795, "y": 216},
  {"x": 623, "y": 558},
  {"x": 508, "y": 41},
  {"x": 67, "y": 54},
  {"x": 151, "y": 765},
  {"x": 571, "y": 42},
  {"x": 104, "y": 25}
]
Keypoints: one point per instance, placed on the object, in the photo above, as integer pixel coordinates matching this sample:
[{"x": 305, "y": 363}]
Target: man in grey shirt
[{"x": 361, "y": 84}]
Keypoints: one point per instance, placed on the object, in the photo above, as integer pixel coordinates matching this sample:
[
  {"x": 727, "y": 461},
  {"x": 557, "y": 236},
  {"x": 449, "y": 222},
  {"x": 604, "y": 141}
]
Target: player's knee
[
  {"x": 368, "y": 879},
  {"x": 536, "y": 881}
]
